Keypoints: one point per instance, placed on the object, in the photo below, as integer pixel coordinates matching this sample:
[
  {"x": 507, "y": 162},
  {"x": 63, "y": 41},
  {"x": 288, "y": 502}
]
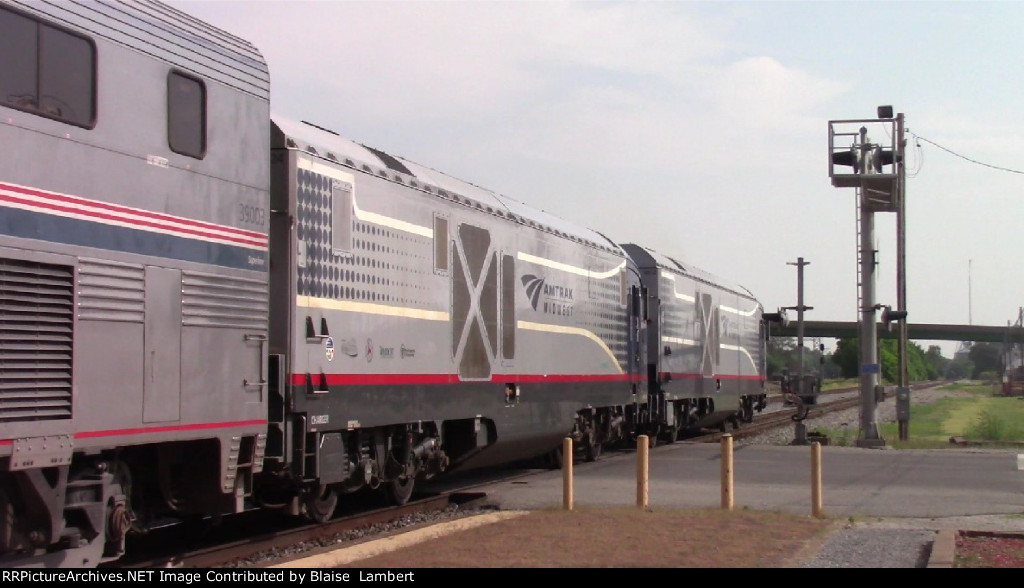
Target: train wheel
[
  {"x": 320, "y": 504},
  {"x": 399, "y": 490},
  {"x": 670, "y": 434},
  {"x": 554, "y": 458},
  {"x": 592, "y": 450}
]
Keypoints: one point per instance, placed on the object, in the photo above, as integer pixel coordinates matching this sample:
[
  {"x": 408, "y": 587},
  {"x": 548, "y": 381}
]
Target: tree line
[{"x": 980, "y": 361}]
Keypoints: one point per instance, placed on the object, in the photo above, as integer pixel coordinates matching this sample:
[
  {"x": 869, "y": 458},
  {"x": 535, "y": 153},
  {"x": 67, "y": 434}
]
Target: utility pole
[
  {"x": 903, "y": 385},
  {"x": 801, "y": 428}
]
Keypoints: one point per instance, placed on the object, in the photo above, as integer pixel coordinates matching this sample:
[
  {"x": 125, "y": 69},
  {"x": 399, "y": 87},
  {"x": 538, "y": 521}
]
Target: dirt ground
[
  {"x": 599, "y": 537},
  {"x": 627, "y": 537},
  {"x": 989, "y": 550}
]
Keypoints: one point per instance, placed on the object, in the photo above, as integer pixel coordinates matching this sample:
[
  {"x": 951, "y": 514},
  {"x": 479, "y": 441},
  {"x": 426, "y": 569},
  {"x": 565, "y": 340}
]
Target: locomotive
[{"x": 206, "y": 308}]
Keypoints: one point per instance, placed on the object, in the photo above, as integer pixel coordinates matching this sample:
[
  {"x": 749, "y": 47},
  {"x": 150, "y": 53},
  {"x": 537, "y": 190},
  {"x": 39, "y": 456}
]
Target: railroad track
[
  {"x": 282, "y": 539},
  {"x": 786, "y": 416}
]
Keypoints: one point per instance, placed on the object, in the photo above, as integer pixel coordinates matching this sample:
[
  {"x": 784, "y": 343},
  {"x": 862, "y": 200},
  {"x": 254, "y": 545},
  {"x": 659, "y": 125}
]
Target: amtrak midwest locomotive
[{"x": 206, "y": 309}]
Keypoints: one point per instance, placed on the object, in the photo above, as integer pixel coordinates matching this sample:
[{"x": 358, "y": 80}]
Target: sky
[{"x": 698, "y": 129}]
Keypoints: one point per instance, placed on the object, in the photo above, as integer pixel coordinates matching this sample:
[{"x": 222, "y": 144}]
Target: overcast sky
[{"x": 699, "y": 129}]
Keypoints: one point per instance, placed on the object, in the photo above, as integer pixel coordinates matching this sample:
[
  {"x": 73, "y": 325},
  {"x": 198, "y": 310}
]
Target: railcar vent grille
[
  {"x": 218, "y": 301},
  {"x": 36, "y": 318}
]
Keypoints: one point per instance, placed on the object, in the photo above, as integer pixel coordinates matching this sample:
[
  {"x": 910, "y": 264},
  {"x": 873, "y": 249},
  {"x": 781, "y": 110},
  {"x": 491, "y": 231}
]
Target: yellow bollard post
[
  {"x": 567, "y": 498},
  {"x": 727, "y": 490},
  {"x": 642, "y": 445},
  {"x": 816, "y": 509}
]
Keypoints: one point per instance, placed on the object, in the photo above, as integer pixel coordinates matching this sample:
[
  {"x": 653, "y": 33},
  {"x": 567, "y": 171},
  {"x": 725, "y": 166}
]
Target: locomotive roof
[
  {"x": 648, "y": 256},
  {"x": 167, "y": 34},
  {"x": 327, "y": 144}
]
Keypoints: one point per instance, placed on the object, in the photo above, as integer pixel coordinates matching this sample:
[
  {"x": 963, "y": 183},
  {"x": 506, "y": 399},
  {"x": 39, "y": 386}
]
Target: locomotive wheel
[
  {"x": 399, "y": 490},
  {"x": 554, "y": 458},
  {"x": 320, "y": 504},
  {"x": 592, "y": 450},
  {"x": 670, "y": 434}
]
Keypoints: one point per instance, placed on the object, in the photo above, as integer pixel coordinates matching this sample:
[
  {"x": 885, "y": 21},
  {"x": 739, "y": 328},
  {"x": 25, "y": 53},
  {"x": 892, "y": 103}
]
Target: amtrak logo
[
  {"x": 533, "y": 285},
  {"x": 548, "y": 298}
]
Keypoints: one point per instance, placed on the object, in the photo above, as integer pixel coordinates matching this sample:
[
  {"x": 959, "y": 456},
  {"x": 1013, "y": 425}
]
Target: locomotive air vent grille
[{"x": 36, "y": 317}]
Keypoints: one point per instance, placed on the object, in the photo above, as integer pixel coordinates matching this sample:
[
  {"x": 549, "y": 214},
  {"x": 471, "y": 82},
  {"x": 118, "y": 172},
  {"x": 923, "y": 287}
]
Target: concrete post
[
  {"x": 567, "y": 497},
  {"x": 727, "y": 478},
  {"x": 816, "y": 506},
  {"x": 642, "y": 448}
]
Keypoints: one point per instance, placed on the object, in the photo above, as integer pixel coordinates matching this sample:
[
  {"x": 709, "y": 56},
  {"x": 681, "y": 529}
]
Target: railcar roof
[
  {"x": 167, "y": 34},
  {"x": 675, "y": 266},
  {"x": 331, "y": 146}
]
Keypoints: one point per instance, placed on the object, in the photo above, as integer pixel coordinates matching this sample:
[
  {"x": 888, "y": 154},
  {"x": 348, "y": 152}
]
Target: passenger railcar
[
  {"x": 133, "y": 272},
  {"x": 206, "y": 309}
]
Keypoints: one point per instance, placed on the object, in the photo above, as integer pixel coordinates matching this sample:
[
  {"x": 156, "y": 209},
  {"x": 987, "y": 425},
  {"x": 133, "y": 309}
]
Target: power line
[{"x": 965, "y": 158}]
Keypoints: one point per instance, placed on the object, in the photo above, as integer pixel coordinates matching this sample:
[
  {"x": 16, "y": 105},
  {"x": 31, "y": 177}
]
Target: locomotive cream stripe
[
  {"x": 571, "y": 268},
  {"x": 678, "y": 341},
  {"x": 432, "y": 315},
  {"x": 738, "y": 311},
  {"x": 365, "y": 216},
  {"x": 678, "y": 295},
  {"x": 744, "y": 351},
  {"x": 723, "y": 307},
  {"x": 428, "y": 232},
  {"x": 548, "y": 328},
  {"x": 368, "y": 308}
]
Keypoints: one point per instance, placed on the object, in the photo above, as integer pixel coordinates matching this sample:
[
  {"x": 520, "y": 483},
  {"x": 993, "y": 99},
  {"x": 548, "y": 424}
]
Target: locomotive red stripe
[
  {"x": 233, "y": 235},
  {"x": 378, "y": 379},
  {"x": 689, "y": 376},
  {"x": 163, "y": 429},
  {"x": 169, "y": 428}
]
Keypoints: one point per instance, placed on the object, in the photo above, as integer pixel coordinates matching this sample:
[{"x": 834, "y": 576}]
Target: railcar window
[
  {"x": 186, "y": 115},
  {"x": 46, "y": 70}
]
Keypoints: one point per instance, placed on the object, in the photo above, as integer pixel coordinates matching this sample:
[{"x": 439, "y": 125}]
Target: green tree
[
  {"x": 936, "y": 362},
  {"x": 919, "y": 367},
  {"x": 847, "y": 357},
  {"x": 986, "y": 357}
]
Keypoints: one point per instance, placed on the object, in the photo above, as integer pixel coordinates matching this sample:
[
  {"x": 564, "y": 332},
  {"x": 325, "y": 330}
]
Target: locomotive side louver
[{"x": 36, "y": 313}]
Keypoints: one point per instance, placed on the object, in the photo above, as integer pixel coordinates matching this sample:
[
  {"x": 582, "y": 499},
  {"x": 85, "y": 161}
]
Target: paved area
[{"x": 938, "y": 485}]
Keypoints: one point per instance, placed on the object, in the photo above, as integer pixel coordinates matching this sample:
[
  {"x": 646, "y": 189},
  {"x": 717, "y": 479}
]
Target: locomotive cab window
[
  {"x": 186, "y": 115},
  {"x": 46, "y": 70}
]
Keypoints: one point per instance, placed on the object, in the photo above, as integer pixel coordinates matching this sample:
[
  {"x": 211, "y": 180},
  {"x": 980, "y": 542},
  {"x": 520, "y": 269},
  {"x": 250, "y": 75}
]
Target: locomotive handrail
[{"x": 262, "y": 340}]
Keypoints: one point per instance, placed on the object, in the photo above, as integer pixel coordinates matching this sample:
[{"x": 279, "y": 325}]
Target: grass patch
[
  {"x": 834, "y": 384},
  {"x": 979, "y": 417}
]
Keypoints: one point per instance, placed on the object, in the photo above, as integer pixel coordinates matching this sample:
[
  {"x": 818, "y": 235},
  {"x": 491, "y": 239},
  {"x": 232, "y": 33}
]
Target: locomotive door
[{"x": 161, "y": 388}]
